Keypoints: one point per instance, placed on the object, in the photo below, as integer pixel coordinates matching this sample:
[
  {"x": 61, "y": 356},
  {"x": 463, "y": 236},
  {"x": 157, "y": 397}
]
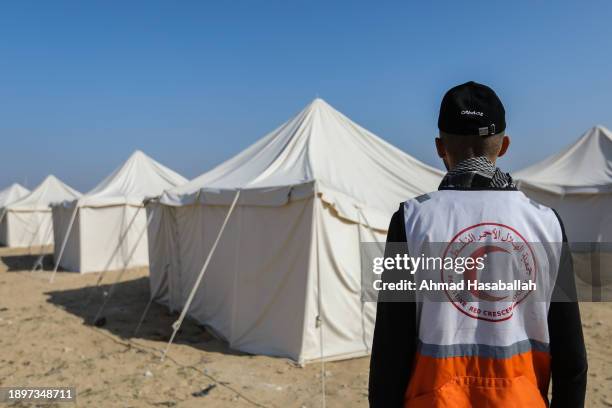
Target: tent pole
[
  {"x": 68, "y": 231},
  {"x": 177, "y": 325},
  {"x": 125, "y": 266}
]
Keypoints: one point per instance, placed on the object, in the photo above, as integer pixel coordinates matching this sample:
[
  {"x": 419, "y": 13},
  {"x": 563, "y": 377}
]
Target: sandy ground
[{"x": 46, "y": 340}]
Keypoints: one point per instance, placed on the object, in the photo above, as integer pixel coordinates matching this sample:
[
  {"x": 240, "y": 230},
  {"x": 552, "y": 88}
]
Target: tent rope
[
  {"x": 146, "y": 310},
  {"x": 122, "y": 238},
  {"x": 176, "y": 325},
  {"x": 2, "y": 214},
  {"x": 35, "y": 234},
  {"x": 142, "y": 317},
  {"x": 39, "y": 261},
  {"x": 125, "y": 267},
  {"x": 63, "y": 248}
]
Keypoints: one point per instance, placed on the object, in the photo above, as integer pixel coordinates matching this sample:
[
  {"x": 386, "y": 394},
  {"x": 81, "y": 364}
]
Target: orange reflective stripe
[{"x": 519, "y": 381}]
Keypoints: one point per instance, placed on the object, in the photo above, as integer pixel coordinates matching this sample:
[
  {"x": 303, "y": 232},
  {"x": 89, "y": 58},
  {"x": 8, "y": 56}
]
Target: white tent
[
  {"x": 27, "y": 221},
  {"x": 102, "y": 230},
  {"x": 577, "y": 182},
  {"x": 12, "y": 193},
  {"x": 289, "y": 258}
]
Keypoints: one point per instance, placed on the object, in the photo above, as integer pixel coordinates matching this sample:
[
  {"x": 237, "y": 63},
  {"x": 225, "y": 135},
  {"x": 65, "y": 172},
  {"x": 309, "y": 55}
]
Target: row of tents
[{"x": 286, "y": 217}]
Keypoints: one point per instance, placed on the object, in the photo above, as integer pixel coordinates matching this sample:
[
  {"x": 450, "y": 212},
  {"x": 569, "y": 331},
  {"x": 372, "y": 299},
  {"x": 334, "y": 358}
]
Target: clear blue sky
[{"x": 84, "y": 83}]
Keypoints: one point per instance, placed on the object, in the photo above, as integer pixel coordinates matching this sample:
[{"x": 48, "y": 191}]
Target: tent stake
[{"x": 177, "y": 325}]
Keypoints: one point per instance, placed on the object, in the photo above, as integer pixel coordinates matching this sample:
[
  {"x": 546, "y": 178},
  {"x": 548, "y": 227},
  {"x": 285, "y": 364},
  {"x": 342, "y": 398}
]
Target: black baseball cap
[{"x": 472, "y": 109}]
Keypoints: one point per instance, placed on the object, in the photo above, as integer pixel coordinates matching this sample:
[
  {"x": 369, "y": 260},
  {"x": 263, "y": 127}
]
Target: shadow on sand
[
  {"x": 122, "y": 313},
  {"x": 26, "y": 262}
]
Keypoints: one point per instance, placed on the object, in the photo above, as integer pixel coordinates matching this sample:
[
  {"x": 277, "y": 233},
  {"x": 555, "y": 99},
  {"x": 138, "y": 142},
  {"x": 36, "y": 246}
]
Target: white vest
[{"x": 475, "y": 323}]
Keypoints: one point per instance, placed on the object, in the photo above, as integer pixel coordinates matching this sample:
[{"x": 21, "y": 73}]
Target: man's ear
[
  {"x": 504, "y": 146},
  {"x": 440, "y": 148}
]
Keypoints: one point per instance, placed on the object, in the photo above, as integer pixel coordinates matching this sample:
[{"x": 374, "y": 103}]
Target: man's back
[
  {"x": 490, "y": 346},
  {"x": 481, "y": 348}
]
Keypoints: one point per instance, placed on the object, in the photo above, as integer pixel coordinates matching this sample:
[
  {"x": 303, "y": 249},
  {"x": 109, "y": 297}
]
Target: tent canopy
[
  {"x": 12, "y": 193},
  {"x": 51, "y": 191},
  {"x": 136, "y": 180},
  {"x": 352, "y": 168},
  {"x": 585, "y": 167}
]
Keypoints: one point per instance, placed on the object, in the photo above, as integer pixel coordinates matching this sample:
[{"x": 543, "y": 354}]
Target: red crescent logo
[
  {"x": 470, "y": 274},
  {"x": 481, "y": 239}
]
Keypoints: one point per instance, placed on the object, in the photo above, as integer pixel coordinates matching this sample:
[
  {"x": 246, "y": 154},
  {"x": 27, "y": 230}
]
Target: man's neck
[{"x": 476, "y": 173}]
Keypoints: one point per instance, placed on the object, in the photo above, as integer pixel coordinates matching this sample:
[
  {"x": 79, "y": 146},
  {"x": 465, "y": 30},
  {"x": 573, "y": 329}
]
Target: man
[{"x": 473, "y": 352}]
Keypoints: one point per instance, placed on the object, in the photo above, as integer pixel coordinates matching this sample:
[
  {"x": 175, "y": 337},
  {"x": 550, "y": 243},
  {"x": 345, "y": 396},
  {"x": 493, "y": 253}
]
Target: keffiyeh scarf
[{"x": 474, "y": 173}]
